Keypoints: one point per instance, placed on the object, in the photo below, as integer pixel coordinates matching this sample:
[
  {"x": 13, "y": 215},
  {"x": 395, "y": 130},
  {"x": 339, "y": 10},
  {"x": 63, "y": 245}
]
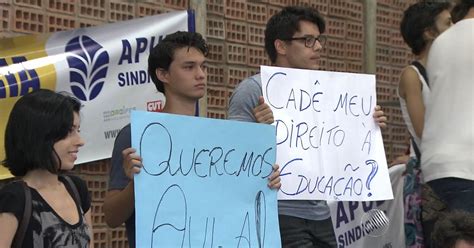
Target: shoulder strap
[
  {"x": 422, "y": 71},
  {"x": 417, "y": 150},
  {"x": 23, "y": 225},
  {"x": 75, "y": 193}
]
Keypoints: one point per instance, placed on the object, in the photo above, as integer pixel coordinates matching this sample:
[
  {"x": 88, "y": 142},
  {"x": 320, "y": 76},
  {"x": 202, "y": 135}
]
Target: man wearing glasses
[{"x": 292, "y": 39}]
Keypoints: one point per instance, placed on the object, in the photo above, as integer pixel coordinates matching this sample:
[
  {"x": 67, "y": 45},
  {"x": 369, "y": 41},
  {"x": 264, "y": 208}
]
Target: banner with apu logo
[
  {"x": 105, "y": 67},
  {"x": 374, "y": 224}
]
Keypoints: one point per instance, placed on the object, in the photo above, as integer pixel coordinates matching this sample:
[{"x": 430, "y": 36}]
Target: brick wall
[
  {"x": 392, "y": 55},
  {"x": 235, "y": 31}
]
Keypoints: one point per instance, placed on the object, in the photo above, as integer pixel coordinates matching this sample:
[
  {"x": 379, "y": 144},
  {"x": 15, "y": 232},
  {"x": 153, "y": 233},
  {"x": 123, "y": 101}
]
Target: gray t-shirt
[
  {"x": 118, "y": 180},
  {"x": 241, "y": 105}
]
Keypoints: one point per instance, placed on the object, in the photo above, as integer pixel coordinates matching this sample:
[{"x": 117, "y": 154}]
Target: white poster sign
[{"x": 328, "y": 145}]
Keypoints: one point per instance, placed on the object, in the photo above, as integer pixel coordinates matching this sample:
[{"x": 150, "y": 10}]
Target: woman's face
[
  {"x": 443, "y": 21},
  {"x": 68, "y": 147}
]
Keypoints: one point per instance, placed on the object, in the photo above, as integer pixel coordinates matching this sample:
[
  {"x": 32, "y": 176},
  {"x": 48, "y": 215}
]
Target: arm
[
  {"x": 120, "y": 204},
  {"x": 410, "y": 89},
  {"x": 8, "y": 226},
  {"x": 403, "y": 159},
  {"x": 88, "y": 217},
  {"x": 263, "y": 113}
]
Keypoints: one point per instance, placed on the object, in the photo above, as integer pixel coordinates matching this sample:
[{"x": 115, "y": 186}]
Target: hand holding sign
[{"x": 263, "y": 113}]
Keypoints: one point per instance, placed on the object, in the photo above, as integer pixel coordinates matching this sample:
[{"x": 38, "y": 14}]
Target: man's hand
[
  {"x": 132, "y": 163},
  {"x": 380, "y": 117},
  {"x": 263, "y": 113},
  {"x": 274, "y": 178}
]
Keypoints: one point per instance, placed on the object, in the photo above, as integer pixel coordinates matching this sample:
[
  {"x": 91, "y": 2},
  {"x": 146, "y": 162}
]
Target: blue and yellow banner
[{"x": 105, "y": 67}]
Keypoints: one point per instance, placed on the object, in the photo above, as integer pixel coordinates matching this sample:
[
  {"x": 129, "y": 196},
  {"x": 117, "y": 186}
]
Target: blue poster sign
[{"x": 204, "y": 182}]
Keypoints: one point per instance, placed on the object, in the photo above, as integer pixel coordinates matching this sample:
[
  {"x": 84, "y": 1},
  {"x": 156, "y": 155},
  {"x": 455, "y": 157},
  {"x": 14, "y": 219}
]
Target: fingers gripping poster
[
  {"x": 204, "y": 182},
  {"x": 329, "y": 146}
]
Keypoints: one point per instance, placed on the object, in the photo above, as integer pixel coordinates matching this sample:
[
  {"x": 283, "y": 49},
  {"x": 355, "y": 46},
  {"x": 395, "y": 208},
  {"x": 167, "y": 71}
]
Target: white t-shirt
[{"x": 447, "y": 146}]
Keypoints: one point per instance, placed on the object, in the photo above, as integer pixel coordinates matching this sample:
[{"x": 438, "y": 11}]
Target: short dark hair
[
  {"x": 284, "y": 24},
  {"x": 460, "y": 10},
  {"x": 162, "y": 54},
  {"x": 37, "y": 121},
  {"x": 416, "y": 19},
  {"x": 452, "y": 227}
]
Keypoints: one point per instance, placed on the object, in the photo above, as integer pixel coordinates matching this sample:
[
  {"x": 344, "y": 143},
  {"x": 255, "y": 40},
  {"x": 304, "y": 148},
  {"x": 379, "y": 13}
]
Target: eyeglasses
[{"x": 309, "y": 41}]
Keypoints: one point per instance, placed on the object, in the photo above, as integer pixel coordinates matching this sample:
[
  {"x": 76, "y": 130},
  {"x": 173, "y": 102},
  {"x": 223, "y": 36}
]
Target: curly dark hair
[
  {"x": 416, "y": 19},
  {"x": 460, "y": 10},
  {"x": 453, "y": 227}
]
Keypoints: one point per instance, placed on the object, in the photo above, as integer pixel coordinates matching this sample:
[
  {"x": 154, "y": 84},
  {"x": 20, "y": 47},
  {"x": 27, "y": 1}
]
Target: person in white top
[
  {"x": 447, "y": 145},
  {"x": 421, "y": 23}
]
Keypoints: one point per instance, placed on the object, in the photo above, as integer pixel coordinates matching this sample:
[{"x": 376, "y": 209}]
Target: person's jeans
[
  {"x": 301, "y": 233},
  {"x": 456, "y": 193}
]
